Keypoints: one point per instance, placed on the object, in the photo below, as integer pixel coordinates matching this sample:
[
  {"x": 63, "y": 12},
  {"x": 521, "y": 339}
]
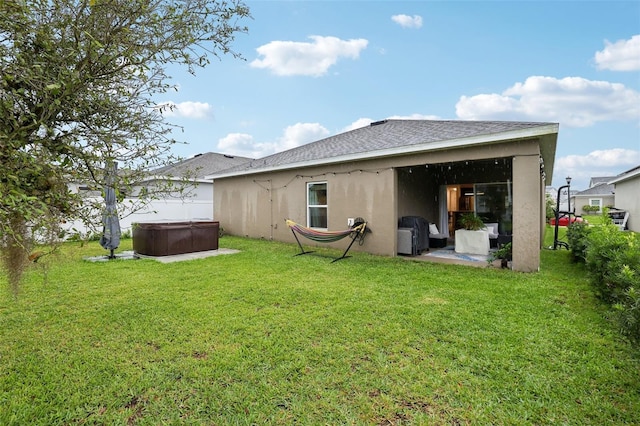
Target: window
[
  {"x": 317, "y": 205},
  {"x": 597, "y": 202},
  {"x": 494, "y": 203}
]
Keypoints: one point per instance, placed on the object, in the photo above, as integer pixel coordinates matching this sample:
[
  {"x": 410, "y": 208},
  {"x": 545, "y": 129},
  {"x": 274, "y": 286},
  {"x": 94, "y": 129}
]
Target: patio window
[{"x": 317, "y": 205}]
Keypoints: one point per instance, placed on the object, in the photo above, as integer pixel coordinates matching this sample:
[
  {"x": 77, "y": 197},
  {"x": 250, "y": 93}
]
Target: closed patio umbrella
[{"x": 110, "y": 239}]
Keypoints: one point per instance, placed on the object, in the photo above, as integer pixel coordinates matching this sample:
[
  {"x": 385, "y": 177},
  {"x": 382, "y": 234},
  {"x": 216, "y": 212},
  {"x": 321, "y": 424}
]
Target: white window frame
[{"x": 310, "y": 206}]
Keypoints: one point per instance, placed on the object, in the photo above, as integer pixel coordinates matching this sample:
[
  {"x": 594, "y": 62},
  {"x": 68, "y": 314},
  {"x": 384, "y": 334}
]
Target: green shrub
[
  {"x": 612, "y": 258},
  {"x": 629, "y": 314},
  {"x": 578, "y": 236},
  {"x": 608, "y": 252},
  {"x": 590, "y": 209}
]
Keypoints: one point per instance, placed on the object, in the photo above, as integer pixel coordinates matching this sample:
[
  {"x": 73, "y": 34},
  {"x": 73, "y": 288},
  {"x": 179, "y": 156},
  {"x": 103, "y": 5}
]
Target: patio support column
[{"x": 526, "y": 213}]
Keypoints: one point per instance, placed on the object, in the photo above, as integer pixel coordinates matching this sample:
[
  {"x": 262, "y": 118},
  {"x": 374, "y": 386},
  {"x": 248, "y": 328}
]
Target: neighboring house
[
  {"x": 196, "y": 205},
  {"x": 396, "y": 168},
  {"x": 627, "y": 192},
  {"x": 552, "y": 193},
  {"x": 600, "y": 193}
]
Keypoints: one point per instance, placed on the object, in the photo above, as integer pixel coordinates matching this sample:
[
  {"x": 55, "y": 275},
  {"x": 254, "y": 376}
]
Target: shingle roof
[
  {"x": 382, "y": 137},
  {"x": 629, "y": 174},
  {"x": 600, "y": 179},
  {"x": 602, "y": 188},
  {"x": 201, "y": 165}
]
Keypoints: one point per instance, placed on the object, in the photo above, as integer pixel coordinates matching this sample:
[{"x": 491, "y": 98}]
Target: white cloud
[
  {"x": 407, "y": 21},
  {"x": 301, "y": 134},
  {"x": 241, "y": 144},
  {"x": 298, "y": 134},
  {"x": 581, "y": 168},
  {"x": 188, "y": 109},
  {"x": 623, "y": 55},
  {"x": 360, "y": 122},
  {"x": 287, "y": 58},
  {"x": 572, "y": 101},
  {"x": 610, "y": 158}
]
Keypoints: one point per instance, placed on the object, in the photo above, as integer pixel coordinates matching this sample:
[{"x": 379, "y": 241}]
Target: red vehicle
[{"x": 564, "y": 220}]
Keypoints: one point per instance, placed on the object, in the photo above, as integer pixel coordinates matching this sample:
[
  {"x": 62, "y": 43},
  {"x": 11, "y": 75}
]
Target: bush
[
  {"x": 590, "y": 209},
  {"x": 613, "y": 259},
  {"x": 578, "y": 236},
  {"x": 609, "y": 251},
  {"x": 629, "y": 314}
]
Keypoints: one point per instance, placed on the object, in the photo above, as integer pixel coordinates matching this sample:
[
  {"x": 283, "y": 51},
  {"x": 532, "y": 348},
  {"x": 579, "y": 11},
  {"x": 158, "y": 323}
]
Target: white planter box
[{"x": 472, "y": 242}]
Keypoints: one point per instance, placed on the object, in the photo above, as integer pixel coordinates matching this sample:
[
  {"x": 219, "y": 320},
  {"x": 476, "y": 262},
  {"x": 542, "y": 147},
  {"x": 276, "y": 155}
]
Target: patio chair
[
  {"x": 493, "y": 234},
  {"x": 436, "y": 239}
]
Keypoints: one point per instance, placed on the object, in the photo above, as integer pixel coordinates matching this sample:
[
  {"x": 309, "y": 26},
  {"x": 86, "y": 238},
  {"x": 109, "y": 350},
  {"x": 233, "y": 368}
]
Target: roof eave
[
  {"x": 624, "y": 177},
  {"x": 520, "y": 134},
  {"x": 176, "y": 179}
]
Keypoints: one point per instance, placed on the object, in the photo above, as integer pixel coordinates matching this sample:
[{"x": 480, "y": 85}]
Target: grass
[
  {"x": 263, "y": 337},
  {"x": 594, "y": 219}
]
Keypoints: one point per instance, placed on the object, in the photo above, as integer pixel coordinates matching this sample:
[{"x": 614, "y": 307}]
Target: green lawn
[
  {"x": 264, "y": 337},
  {"x": 593, "y": 219}
]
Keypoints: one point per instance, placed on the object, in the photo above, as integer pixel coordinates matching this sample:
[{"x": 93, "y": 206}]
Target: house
[
  {"x": 600, "y": 193},
  {"x": 627, "y": 189},
  {"x": 395, "y": 168},
  {"x": 197, "y": 204},
  {"x": 566, "y": 195}
]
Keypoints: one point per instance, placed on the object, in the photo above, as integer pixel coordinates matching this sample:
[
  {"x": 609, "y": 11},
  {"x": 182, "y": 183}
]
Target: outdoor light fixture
[{"x": 557, "y": 214}]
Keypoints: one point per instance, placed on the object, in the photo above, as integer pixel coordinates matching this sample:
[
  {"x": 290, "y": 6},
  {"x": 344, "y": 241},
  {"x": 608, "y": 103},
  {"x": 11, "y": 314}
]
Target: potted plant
[
  {"x": 474, "y": 237},
  {"x": 471, "y": 222},
  {"x": 503, "y": 253}
]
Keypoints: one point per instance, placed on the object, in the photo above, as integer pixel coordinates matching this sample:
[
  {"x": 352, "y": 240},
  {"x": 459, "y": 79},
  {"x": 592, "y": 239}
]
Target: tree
[{"x": 77, "y": 92}]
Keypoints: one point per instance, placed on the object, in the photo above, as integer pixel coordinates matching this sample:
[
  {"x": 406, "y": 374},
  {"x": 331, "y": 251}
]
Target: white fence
[{"x": 155, "y": 211}]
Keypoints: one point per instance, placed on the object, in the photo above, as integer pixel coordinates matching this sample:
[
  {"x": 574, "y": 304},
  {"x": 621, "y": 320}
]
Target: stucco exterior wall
[
  {"x": 527, "y": 200},
  {"x": 380, "y": 191},
  {"x": 627, "y": 199},
  {"x": 578, "y": 202},
  {"x": 257, "y": 206}
]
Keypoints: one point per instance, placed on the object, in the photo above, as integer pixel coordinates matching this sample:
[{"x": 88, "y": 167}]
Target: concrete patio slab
[{"x": 130, "y": 255}]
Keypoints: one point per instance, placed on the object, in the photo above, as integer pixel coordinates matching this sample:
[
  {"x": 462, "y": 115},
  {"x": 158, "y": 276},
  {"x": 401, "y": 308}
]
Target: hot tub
[{"x": 169, "y": 238}]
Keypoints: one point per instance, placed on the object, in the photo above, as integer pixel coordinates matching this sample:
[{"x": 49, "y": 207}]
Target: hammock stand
[{"x": 356, "y": 232}]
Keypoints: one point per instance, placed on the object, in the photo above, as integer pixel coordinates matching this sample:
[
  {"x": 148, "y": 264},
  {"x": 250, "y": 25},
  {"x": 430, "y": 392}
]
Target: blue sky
[{"x": 313, "y": 69}]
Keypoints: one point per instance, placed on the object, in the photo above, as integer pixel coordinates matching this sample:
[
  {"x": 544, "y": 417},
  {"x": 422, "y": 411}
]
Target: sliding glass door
[{"x": 494, "y": 203}]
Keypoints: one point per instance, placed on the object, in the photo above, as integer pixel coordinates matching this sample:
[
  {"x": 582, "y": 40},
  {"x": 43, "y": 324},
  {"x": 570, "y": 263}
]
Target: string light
[{"x": 321, "y": 175}]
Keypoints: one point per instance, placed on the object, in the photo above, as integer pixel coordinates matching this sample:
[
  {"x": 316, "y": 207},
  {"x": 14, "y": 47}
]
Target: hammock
[{"x": 357, "y": 232}]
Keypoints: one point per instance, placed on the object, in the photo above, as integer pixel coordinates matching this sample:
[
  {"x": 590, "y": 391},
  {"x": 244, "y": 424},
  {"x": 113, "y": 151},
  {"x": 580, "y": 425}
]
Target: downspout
[{"x": 270, "y": 209}]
